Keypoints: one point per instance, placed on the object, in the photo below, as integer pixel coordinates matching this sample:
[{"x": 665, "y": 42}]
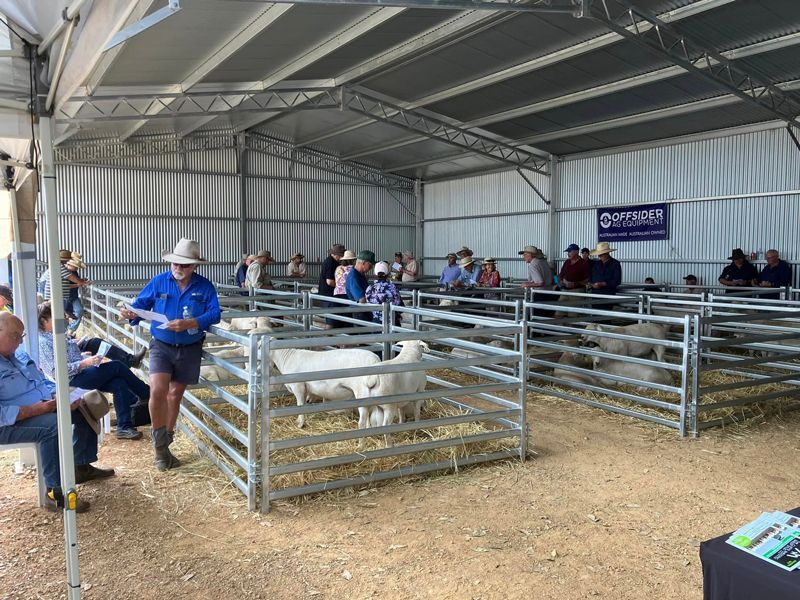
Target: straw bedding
[{"x": 322, "y": 423}]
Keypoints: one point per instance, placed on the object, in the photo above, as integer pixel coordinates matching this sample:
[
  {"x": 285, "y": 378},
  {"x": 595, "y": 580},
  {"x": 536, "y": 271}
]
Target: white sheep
[
  {"x": 245, "y": 323},
  {"x": 296, "y": 360},
  {"x": 574, "y": 359},
  {"x": 388, "y": 384},
  {"x": 628, "y": 347},
  {"x": 631, "y": 370},
  {"x": 215, "y": 372}
]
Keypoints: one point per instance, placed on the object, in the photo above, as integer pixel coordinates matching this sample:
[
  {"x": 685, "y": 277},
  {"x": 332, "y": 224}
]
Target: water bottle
[{"x": 187, "y": 314}]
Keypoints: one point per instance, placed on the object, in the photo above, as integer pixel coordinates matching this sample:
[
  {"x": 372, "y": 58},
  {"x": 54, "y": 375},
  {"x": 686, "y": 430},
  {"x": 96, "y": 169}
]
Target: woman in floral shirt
[
  {"x": 341, "y": 273},
  {"x": 489, "y": 277},
  {"x": 382, "y": 290}
]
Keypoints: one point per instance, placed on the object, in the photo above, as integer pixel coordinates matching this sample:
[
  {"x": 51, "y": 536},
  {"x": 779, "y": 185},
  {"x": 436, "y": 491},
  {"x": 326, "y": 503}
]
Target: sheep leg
[
  {"x": 299, "y": 391},
  {"x": 388, "y": 417},
  {"x": 363, "y": 423}
]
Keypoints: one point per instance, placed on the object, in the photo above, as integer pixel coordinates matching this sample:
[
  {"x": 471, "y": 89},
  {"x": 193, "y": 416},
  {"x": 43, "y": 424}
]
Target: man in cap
[
  {"x": 327, "y": 278},
  {"x": 775, "y": 274},
  {"x": 257, "y": 276},
  {"x": 28, "y": 414},
  {"x": 189, "y": 301},
  {"x": 574, "y": 274},
  {"x": 468, "y": 277},
  {"x": 451, "y": 272},
  {"x": 409, "y": 268},
  {"x": 356, "y": 284},
  {"x": 691, "y": 282},
  {"x": 606, "y": 274},
  {"x": 740, "y": 273},
  {"x": 296, "y": 267}
]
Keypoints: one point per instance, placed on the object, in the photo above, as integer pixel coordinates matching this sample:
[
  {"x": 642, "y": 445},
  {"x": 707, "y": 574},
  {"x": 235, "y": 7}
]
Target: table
[{"x": 731, "y": 574}]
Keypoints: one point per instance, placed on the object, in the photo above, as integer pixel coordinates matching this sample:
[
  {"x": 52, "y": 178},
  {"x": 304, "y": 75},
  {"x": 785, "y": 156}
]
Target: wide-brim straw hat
[
  {"x": 76, "y": 264},
  {"x": 297, "y": 255},
  {"x": 465, "y": 251},
  {"x": 186, "y": 252},
  {"x": 466, "y": 261},
  {"x": 530, "y": 250},
  {"x": 349, "y": 255},
  {"x": 250, "y": 257},
  {"x": 489, "y": 260},
  {"x": 64, "y": 254},
  {"x": 93, "y": 407},
  {"x": 602, "y": 248}
]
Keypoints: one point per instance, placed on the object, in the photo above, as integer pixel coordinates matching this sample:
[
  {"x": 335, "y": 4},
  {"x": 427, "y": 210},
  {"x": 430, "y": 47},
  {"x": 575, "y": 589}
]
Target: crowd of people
[{"x": 190, "y": 304}]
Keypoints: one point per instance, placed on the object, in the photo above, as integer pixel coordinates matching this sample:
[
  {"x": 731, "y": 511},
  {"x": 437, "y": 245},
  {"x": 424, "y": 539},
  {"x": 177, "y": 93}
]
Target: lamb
[
  {"x": 574, "y": 359},
  {"x": 626, "y": 347},
  {"x": 634, "y": 371},
  {"x": 246, "y": 323},
  {"x": 295, "y": 360},
  {"x": 404, "y": 382},
  {"x": 216, "y": 372}
]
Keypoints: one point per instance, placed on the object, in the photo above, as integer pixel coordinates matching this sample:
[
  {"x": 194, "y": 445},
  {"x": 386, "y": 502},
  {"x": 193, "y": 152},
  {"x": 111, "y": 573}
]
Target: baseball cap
[
  {"x": 381, "y": 268},
  {"x": 690, "y": 277},
  {"x": 572, "y": 248}
]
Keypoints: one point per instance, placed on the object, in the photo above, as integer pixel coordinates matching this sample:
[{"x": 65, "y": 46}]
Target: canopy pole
[
  {"x": 24, "y": 271},
  {"x": 66, "y": 457}
]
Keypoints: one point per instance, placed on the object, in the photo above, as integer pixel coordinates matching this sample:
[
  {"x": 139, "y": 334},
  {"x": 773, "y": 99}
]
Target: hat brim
[
  {"x": 182, "y": 260},
  {"x": 597, "y": 252}
]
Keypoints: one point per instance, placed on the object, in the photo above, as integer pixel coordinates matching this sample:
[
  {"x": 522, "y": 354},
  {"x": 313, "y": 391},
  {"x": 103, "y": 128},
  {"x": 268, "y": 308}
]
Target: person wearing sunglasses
[{"x": 190, "y": 304}]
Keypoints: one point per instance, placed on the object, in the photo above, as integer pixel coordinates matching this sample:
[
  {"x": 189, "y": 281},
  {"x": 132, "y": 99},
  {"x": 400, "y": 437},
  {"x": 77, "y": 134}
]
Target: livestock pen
[{"x": 245, "y": 423}]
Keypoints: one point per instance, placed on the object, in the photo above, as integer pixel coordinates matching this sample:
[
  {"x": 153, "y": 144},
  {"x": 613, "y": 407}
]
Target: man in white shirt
[{"x": 409, "y": 269}]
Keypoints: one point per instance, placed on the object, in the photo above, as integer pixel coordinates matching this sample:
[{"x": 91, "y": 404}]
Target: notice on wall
[{"x": 633, "y": 223}]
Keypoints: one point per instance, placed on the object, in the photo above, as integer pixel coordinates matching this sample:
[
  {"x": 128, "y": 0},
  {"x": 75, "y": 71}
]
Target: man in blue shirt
[
  {"x": 777, "y": 273},
  {"x": 189, "y": 301},
  {"x": 606, "y": 274},
  {"x": 740, "y": 273},
  {"x": 468, "y": 277},
  {"x": 28, "y": 414},
  {"x": 451, "y": 272},
  {"x": 356, "y": 283}
]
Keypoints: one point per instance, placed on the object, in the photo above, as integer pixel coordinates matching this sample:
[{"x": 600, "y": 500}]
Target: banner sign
[{"x": 633, "y": 223}]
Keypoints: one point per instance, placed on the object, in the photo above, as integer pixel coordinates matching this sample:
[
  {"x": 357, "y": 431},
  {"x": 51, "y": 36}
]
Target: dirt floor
[{"x": 609, "y": 508}]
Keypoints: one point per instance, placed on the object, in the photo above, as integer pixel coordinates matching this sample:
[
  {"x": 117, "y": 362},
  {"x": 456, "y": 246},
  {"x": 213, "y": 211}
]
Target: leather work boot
[
  {"x": 164, "y": 459},
  {"x": 136, "y": 359},
  {"x": 84, "y": 473}
]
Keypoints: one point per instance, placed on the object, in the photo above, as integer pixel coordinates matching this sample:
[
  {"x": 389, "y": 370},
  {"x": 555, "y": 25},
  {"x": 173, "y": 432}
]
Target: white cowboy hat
[
  {"x": 530, "y": 250},
  {"x": 467, "y": 260},
  {"x": 349, "y": 255},
  {"x": 186, "y": 252},
  {"x": 94, "y": 406},
  {"x": 602, "y": 248}
]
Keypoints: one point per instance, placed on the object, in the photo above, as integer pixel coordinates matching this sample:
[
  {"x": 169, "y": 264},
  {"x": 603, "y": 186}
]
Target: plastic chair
[{"x": 39, "y": 475}]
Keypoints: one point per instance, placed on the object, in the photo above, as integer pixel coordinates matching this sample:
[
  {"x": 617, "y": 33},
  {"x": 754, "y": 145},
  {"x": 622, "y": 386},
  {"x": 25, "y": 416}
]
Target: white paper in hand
[
  {"x": 147, "y": 315},
  {"x": 103, "y": 349}
]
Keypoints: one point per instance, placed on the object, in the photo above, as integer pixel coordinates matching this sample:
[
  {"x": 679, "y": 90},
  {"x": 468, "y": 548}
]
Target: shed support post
[
  {"x": 552, "y": 217},
  {"x": 419, "y": 246},
  {"x": 241, "y": 149},
  {"x": 66, "y": 455}
]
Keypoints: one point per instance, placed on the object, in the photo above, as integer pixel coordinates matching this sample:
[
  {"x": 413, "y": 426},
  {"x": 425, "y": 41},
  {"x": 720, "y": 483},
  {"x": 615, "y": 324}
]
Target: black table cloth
[{"x": 732, "y": 574}]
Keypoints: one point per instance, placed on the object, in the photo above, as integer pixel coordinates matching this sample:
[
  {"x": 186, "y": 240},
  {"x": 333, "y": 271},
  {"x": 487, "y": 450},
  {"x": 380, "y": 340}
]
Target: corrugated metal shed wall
[
  {"x": 702, "y": 230},
  {"x": 121, "y": 218},
  {"x": 499, "y": 236}
]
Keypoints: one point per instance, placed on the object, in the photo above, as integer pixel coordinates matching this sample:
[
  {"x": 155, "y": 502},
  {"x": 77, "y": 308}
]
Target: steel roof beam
[
  {"x": 646, "y": 117},
  {"x": 665, "y": 42},
  {"x": 175, "y": 105},
  {"x": 567, "y": 7},
  {"x": 435, "y": 129},
  {"x": 228, "y": 48},
  {"x": 355, "y": 30},
  {"x": 523, "y": 68},
  {"x": 587, "y": 94}
]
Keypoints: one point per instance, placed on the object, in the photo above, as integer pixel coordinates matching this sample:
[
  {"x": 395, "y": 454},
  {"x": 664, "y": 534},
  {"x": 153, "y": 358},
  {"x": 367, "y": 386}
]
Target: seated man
[{"x": 28, "y": 414}]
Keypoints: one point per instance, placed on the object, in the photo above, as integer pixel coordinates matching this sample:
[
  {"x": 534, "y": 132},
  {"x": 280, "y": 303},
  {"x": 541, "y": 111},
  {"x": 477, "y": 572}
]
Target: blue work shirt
[
  {"x": 449, "y": 274},
  {"x": 468, "y": 279},
  {"x": 610, "y": 272},
  {"x": 356, "y": 285},
  {"x": 241, "y": 275},
  {"x": 779, "y": 276},
  {"x": 21, "y": 384},
  {"x": 163, "y": 295}
]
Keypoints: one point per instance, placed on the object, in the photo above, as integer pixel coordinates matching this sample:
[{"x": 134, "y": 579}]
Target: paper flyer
[
  {"x": 147, "y": 315},
  {"x": 770, "y": 538},
  {"x": 103, "y": 349}
]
